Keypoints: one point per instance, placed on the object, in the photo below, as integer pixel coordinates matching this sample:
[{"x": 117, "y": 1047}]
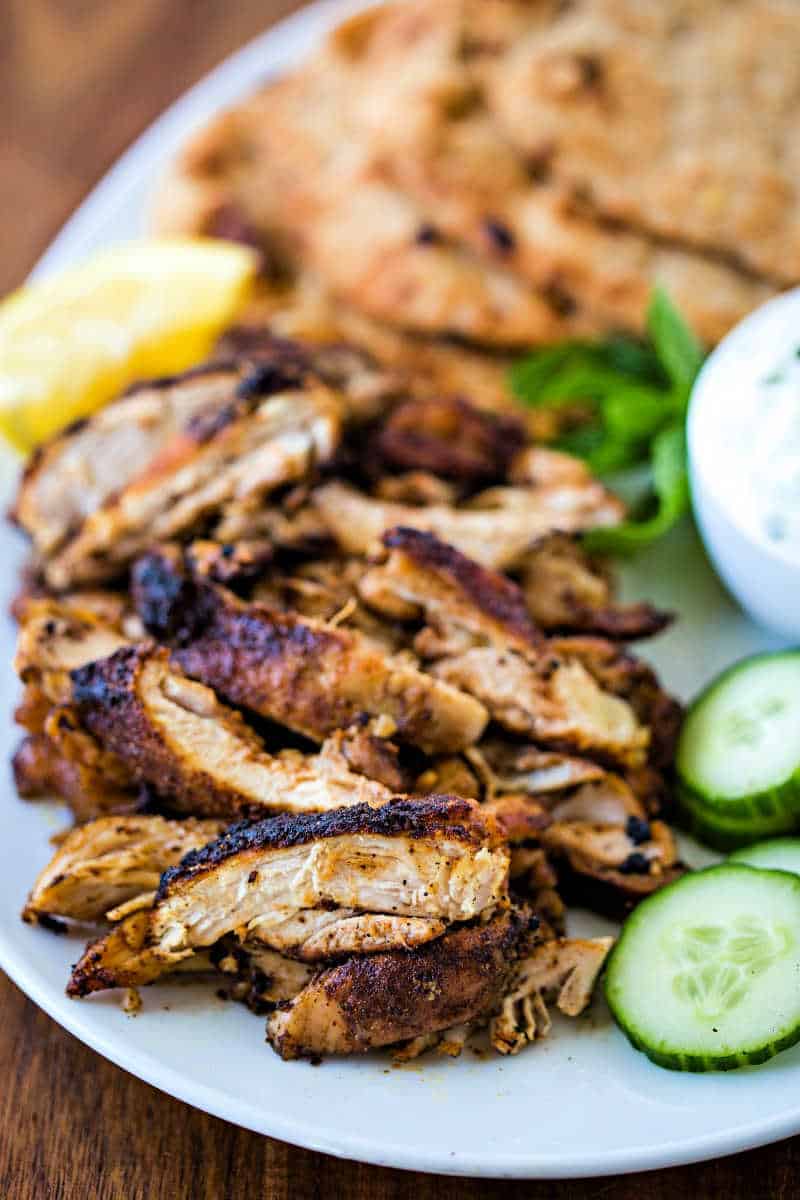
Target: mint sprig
[{"x": 635, "y": 394}]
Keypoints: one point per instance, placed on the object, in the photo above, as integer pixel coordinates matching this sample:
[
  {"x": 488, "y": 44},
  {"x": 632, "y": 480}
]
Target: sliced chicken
[
  {"x": 198, "y": 754},
  {"x": 247, "y": 446},
  {"x": 564, "y": 970},
  {"x": 483, "y": 641},
  {"x": 609, "y": 854},
  {"x": 367, "y": 387},
  {"x": 55, "y": 638},
  {"x": 365, "y": 1003},
  {"x": 111, "y": 860},
  {"x": 566, "y": 591},
  {"x": 505, "y": 766},
  {"x": 65, "y": 761},
  {"x": 497, "y": 528},
  {"x": 425, "y": 576},
  {"x": 430, "y": 857},
  {"x": 120, "y": 958},
  {"x": 635, "y": 682},
  {"x": 418, "y": 864},
  {"x": 451, "y": 439},
  {"x": 85, "y": 465},
  {"x": 549, "y": 699},
  {"x": 306, "y": 674}
]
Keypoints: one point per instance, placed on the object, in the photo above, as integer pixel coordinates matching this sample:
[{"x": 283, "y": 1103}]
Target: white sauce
[
  {"x": 745, "y": 428},
  {"x": 774, "y": 474}
]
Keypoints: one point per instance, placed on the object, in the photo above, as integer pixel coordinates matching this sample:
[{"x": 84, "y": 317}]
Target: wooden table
[{"x": 79, "y": 79}]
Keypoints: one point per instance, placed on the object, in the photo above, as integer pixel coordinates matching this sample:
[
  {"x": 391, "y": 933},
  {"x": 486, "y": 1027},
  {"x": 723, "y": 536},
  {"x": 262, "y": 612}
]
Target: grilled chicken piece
[
  {"x": 329, "y": 590},
  {"x": 609, "y": 854},
  {"x": 430, "y": 857},
  {"x": 65, "y": 761},
  {"x": 262, "y": 978},
  {"x": 368, "y": 388},
  {"x": 200, "y": 755},
  {"x": 364, "y": 1003},
  {"x": 549, "y": 699},
  {"x": 363, "y": 879},
  {"x": 564, "y": 970},
  {"x": 510, "y": 767},
  {"x": 450, "y": 438},
  {"x": 634, "y": 681},
  {"x": 57, "y": 637},
  {"x": 84, "y": 466},
  {"x": 485, "y": 643},
  {"x": 109, "y": 861},
  {"x": 120, "y": 958},
  {"x": 497, "y": 528},
  {"x": 566, "y": 591},
  {"x": 305, "y": 674},
  {"x": 424, "y": 576},
  {"x": 247, "y": 446}
]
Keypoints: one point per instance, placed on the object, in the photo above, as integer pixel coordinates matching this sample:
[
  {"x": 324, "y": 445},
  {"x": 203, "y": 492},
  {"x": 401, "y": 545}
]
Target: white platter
[{"x": 581, "y": 1103}]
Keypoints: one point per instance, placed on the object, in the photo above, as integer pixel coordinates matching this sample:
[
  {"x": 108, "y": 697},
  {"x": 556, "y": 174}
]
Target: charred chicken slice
[
  {"x": 450, "y": 439},
  {"x": 306, "y": 674},
  {"x": 365, "y": 1003},
  {"x": 354, "y": 880},
  {"x": 248, "y": 446},
  {"x": 427, "y": 858},
  {"x": 200, "y": 756},
  {"x": 424, "y": 576},
  {"x": 550, "y": 699},
  {"x": 54, "y": 638},
  {"x": 483, "y": 641},
  {"x": 496, "y": 529},
  {"x": 634, "y": 681},
  {"x": 64, "y": 760},
  {"x": 111, "y": 860},
  {"x": 566, "y": 591},
  {"x": 86, "y": 465},
  {"x": 563, "y": 970},
  {"x": 505, "y": 766},
  {"x": 608, "y": 853}
]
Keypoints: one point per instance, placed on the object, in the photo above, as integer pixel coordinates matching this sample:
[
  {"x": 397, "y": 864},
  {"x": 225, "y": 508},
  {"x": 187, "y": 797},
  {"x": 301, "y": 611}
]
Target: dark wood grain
[{"x": 79, "y": 79}]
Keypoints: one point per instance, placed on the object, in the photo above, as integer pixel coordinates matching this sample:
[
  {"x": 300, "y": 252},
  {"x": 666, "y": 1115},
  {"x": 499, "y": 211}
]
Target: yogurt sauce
[{"x": 746, "y": 431}]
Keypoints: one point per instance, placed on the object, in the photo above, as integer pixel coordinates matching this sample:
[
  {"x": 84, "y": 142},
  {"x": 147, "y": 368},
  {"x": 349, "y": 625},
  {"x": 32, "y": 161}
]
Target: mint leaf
[
  {"x": 670, "y": 497},
  {"x": 676, "y": 346}
]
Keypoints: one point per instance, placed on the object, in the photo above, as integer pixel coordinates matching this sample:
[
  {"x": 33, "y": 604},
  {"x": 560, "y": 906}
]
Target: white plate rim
[{"x": 272, "y": 50}]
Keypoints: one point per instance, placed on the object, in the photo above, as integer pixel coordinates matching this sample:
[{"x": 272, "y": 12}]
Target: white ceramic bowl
[{"x": 725, "y": 466}]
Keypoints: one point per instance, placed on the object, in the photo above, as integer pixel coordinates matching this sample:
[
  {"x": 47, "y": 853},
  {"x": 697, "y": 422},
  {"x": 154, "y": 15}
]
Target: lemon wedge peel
[{"x": 70, "y": 342}]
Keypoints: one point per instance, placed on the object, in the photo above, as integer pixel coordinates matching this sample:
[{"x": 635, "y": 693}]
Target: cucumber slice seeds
[
  {"x": 738, "y": 756},
  {"x": 704, "y": 976}
]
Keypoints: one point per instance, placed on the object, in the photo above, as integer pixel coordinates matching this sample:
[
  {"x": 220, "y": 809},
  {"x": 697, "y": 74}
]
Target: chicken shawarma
[{"x": 354, "y": 713}]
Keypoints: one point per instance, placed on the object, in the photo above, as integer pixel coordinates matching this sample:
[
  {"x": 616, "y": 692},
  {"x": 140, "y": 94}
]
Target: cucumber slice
[
  {"x": 739, "y": 748},
  {"x": 778, "y": 854},
  {"x": 716, "y": 829},
  {"x": 704, "y": 975}
]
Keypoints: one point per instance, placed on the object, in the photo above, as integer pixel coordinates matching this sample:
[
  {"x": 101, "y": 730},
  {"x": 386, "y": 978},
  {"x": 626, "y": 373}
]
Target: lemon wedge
[{"x": 71, "y": 342}]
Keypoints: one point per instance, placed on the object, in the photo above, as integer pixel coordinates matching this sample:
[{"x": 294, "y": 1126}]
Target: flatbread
[
  {"x": 677, "y": 116},
  {"x": 430, "y": 123},
  {"x": 291, "y": 167}
]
